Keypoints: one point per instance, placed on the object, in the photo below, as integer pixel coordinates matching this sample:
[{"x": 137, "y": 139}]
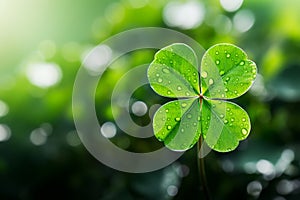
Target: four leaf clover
[{"x": 201, "y": 107}]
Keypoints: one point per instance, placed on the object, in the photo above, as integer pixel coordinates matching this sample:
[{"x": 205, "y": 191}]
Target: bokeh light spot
[
  {"x": 186, "y": 15},
  {"x": 139, "y": 108},
  {"x": 243, "y": 20},
  {"x": 5, "y": 132},
  {"x": 97, "y": 59},
  {"x": 108, "y": 129},
  {"x": 38, "y": 136},
  {"x": 254, "y": 188},
  {"x": 44, "y": 75},
  {"x": 4, "y": 109},
  {"x": 231, "y": 5}
]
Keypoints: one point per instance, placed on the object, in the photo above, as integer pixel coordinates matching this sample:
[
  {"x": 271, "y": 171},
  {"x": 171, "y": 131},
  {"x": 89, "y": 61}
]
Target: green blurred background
[{"x": 42, "y": 46}]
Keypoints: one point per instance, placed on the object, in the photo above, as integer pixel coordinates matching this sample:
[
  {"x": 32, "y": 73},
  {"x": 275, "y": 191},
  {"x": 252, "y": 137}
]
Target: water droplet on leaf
[
  {"x": 159, "y": 80},
  {"x": 183, "y": 105},
  {"x": 165, "y": 70},
  {"x": 204, "y": 74},
  {"x": 210, "y": 81},
  {"x": 244, "y": 131}
]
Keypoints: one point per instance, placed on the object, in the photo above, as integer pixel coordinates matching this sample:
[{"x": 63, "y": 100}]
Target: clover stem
[{"x": 201, "y": 168}]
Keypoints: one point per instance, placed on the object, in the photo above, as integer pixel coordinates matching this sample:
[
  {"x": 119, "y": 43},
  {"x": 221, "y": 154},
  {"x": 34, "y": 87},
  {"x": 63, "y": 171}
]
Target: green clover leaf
[{"x": 201, "y": 108}]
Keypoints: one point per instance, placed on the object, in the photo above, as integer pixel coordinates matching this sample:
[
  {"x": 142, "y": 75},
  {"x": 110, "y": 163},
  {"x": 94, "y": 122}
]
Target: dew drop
[
  {"x": 171, "y": 61},
  {"x": 167, "y": 110},
  {"x": 235, "y": 92},
  {"x": 165, "y": 70},
  {"x": 169, "y": 127},
  {"x": 187, "y": 94},
  {"x": 244, "y": 119},
  {"x": 195, "y": 80},
  {"x": 230, "y": 124},
  {"x": 169, "y": 92},
  {"x": 227, "y": 79},
  {"x": 199, "y": 118},
  {"x": 159, "y": 80},
  {"x": 157, "y": 75},
  {"x": 225, "y": 121},
  {"x": 194, "y": 74},
  {"x": 183, "y": 105},
  {"x": 221, "y": 116},
  {"x": 210, "y": 81},
  {"x": 228, "y": 55},
  {"x": 182, "y": 130},
  {"x": 222, "y": 95},
  {"x": 228, "y": 109},
  {"x": 179, "y": 87},
  {"x": 226, "y": 89},
  {"x": 244, "y": 131},
  {"x": 222, "y": 72},
  {"x": 195, "y": 124},
  {"x": 232, "y": 119},
  {"x": 217, "y": 53},
  {"x": 217, "y": 62},
  {"x": 242, "y": 63},
  {"x": 189, "y": 116},
  {"x": 177, "y": 119},
  {"x": 169, "y": 82},
  {"x": 204, "y": 74}
]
